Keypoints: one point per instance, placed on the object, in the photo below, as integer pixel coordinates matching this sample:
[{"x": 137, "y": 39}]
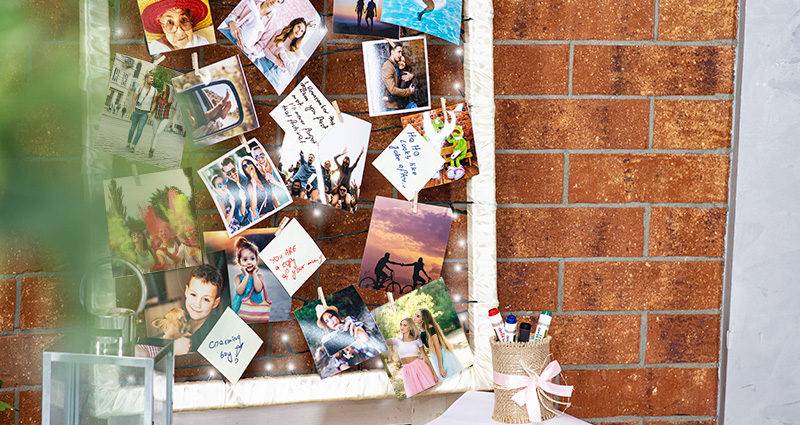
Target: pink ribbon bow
[{"x": 531, "y": 387}]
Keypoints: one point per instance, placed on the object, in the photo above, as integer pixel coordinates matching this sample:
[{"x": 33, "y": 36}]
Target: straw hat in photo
[{"x": 321, "y": 310}]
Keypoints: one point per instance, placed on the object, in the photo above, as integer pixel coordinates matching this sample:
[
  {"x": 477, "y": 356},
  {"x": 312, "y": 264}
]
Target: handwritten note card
[
  {"x": 305, "y": 113},
  {"x": 409, "y": 162},
  {"x": 292, "y": 256},
  {"x": 230, "y": 345}
]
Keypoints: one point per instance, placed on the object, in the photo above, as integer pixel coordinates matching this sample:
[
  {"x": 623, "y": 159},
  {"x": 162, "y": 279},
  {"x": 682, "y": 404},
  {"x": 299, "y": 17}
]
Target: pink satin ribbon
[{"x": 531, "y": 385}]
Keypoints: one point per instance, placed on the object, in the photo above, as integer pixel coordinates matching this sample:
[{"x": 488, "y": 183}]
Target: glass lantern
[{"x": 81, "y": 388}]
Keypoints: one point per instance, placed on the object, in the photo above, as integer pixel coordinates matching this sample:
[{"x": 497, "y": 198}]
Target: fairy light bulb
[
  {"x": 285, "y": 338},
  {"x": 457, "y": 298}
]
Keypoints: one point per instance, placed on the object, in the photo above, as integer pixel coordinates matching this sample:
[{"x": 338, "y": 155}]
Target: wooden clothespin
[
  {"x": 195, "y": 63},
  {"x": 414, "y": 202},
  {"x": 282, "y": 225},
  {"x": 135, "y": 172},
  {"x": 321, "y": 296},
  {"x": 391, "y": 301},
  {"x": 444, "y": 106},
  {"x": 243, "y": 141},
  {"x": 338, "y": 112},
  {"x": 159, "y": 59}
]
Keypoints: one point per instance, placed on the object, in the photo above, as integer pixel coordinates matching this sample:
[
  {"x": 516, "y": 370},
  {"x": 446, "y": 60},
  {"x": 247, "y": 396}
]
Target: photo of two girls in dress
[
  {"x": 152, "y": 220},
  {"x": 246, "y": 187},
  {"x": 427, "y": 340},
  {"x": 257, "y": 295},
  {"x": 278, "y": 36}
]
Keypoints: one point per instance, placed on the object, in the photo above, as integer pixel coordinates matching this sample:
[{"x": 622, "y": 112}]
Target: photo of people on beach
[
  {"x": 140, "y": 106},
  {"x": 397, "y": 75},
  {"x": 257, "y": 296},
  {"x": 184, "y": 305},
  {"x": 361, "y": 17},
  {"x": 278, "y": 36},
  {"x": 215, "y": 103},
  {"x": 340, "y": 332},
  {"x": 404, "y": 249},
  {"x": 171, "y": 25},
  {"x": 152, "y": 222},
  {"x": 439, "y": 18},
  {"x": 452, "y": 136},
  {"x": 246, "y": 187},
  {"x": 430, "y": 344}
]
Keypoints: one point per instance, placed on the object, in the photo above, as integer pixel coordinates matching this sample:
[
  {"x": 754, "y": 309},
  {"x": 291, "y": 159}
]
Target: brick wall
[{"x": 617, "y": 125}]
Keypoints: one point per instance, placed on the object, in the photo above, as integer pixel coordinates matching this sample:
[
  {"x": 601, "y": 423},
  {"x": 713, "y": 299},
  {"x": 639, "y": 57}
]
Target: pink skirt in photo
[{"x": 417, "y": 376}]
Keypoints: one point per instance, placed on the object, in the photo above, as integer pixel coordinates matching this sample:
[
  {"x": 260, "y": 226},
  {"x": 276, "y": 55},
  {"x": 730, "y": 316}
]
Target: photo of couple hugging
[
  {"x": 397, "y": 75},
  {"x": 246, "y": 187},
  {"x": 278, "y": 36}
]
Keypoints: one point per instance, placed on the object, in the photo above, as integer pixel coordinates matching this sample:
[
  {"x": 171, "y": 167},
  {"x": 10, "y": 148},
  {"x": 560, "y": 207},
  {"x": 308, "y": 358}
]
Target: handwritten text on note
[
  {"x": 409, "y": 162},
  {"x": 230, "y": 345},
  {"x": 292, "y": 256},
  {"x": 305, "y": 113}
]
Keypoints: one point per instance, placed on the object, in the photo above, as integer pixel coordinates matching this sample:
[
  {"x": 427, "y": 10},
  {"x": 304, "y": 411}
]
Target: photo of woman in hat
[{"x": 176, "y": 24}]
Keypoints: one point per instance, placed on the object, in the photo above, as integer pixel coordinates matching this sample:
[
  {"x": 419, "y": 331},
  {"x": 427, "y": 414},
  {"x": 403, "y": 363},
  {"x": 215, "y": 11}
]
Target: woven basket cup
[{"x": 509, "y": 358}]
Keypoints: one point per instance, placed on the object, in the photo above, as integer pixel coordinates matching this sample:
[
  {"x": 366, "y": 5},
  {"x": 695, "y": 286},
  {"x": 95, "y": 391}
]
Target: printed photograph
[
  {"x": 361, "y": 17},
  {"x": 246, "y": 187},
  {"x": 140, "y": 106},
  {"x": 335, "y": 177},
  {"x": 397, "y": 75},
  {"x": 439, "y": 18},
  {"x": 341, "y": 333},
  {"x": 215, "y": 103},
  {"x": 452, "y": 135},
  {"x": 184, "y": 305},
  {"x": 256, "y": 294},
  {"x": 171, "y": 25},
  {"x": 278, "y": 36},
  {"x": 404, "y": 250},
  {"x": 427, "y": 343},
  {"x": 152, "y": 221}
]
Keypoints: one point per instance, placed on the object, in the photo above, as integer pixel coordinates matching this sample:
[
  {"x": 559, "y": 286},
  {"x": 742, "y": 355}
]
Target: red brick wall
[{"x": 613, "y": 143}]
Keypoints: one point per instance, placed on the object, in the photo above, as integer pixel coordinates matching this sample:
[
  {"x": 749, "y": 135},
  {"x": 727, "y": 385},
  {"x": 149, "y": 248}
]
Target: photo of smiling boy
[{"x": 203, "y": 294}]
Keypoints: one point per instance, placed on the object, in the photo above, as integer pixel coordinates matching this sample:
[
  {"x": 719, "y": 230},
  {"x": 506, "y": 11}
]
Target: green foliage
[
  {"x": 433, "y": 296},
  {"x": 115, "y": 200},
  {"x": 162, "y": 75},
  {"x": 5, "y": 406},
  {"x": 160, "y": 201}
]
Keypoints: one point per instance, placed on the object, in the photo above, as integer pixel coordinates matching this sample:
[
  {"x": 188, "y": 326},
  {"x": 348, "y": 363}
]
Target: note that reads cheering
[
  {"x": 305, "y": 113},
  {"x": 292, "y": 256},
  {"x": 409, "y": 162},
  {"x": 230, "y": 345}
]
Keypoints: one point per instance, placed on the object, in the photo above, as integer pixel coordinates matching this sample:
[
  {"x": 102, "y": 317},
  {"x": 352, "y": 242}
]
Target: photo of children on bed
[
  {"x": 184, "y": 305},
  {"x": 257, "y": 295},
  {"x": 427, "y": 340},
  {"x": 341, "y": 333},
  {"x": 278, "y": 36}
]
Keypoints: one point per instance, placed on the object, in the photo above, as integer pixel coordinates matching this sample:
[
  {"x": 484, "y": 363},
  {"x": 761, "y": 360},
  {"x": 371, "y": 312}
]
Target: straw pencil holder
[{"x": 513, "y": 358}]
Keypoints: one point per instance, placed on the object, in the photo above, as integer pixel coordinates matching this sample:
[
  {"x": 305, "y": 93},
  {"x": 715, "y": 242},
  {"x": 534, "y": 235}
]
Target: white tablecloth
[{"x": 475, "y": 408}]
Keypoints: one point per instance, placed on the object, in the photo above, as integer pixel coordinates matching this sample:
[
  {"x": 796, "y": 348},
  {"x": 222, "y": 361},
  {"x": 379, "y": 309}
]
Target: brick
[
  {"x": 345, "y": 71},
  {"x": 454, "y": 191},
  {"x": 50, "y": 302},
  {"x": 681, "y": 423},
  {"x": 643, "y": 392},
  {"x": 653, "y": 70},
  {"x": 194, "y": 364},
  {"x": 46, "y": 130},
  {"x": 21, "y": 363},
  {"x": 531, "y": 69},
  {"x": 595, "y": 339},
  {"x": 129, "y": 26},
  {"x": 446, "y": 71},
  {"x": 648, "y": 178},
  {"x": 50, "y": 84},
  {"x": 572, "y": 124},
  {"x": 600, "y": 20},
  {"x": 526, "y": 178},
  {"x": 58, "y": 20},
  {"x": 27, "y": 254},
  {"x": 15, "y": 58},
  {"x": 527, "y": 286},
  {"x": 30, "y": 407},
  {"x": 456, "y": 279},
  {"x": 687, "y": 231},
  {"x": 8, "y": 304},
  {"x": 697, "y": 20},
  {"x": 7, "y": 416},
  {"x": 682, "y": 338},
  {"x": 299, "y": 358},
  {"x": 641, "y": 285},
  {"x": 373, "y": 183},
  {"x": 335, "y": 277},
  {"x": 570, "y": 232},
  {"x": 457, "y": 242},
  {"x": 338, "y": 223},
  {"x": 692, "y": 124}
]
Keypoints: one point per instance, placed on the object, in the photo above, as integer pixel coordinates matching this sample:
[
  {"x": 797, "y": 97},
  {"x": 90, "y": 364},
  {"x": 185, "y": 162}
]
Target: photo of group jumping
[
  {"x": 171, "y": 25},
  {"x": 246, "y": 186},
  {"x": 361, "y": 17},
  {"x": 397, "y": 75},
  {"x": 278, "y": 36},
  {"x": 152, "y": 220},
  {"x": 257, "y": 296}
]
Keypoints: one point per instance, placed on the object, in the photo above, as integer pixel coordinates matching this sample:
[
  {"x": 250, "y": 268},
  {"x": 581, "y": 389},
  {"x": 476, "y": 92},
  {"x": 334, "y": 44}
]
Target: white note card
[
  {"x": 306, "y": 113},
  {"x": 230, "y": 345},
  {"x": 292, "y": 256},
  {"x": 409, "y": 162}
]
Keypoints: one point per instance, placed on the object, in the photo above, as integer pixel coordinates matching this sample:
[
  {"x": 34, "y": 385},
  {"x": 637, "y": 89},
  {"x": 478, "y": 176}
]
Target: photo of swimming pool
[{"x": 444, "y": 21}]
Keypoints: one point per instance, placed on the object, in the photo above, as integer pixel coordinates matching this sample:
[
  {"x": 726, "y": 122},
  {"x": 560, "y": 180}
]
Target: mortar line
[
  {"x": 716, "y": 96},
  {"x": 565, "y": 178},
  {"x": 560, "y": 300},
  {"x": 17, "y": 332},
  {"x": 717, "y": 151},
  {"x": 18, "y": 302},
  {"x": 621, "y": 366},
  {"x": 718, "y": 42},
  {"x": 640, "y": 419},
  {"x": 16, "y": 406},
  {"x": 21, "y": 388},
  {"x": 646, "y": 236},
  {"x": 655, "y": 22},
  {"x": 651, "y": 123},
  {"x": 643, "y": 339},
  {"x": 636, "y": 312},
  {"x": 702, "y": 205},
  {"x": 606, "y": 259},
  {"x": 569, "y": 69}
]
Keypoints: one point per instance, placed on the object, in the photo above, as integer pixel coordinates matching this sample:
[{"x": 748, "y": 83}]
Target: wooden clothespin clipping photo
[
  {"x": 135, "y": 172},
  {"x": 338, "y": 111},
  {"x": 392, "y": 305},
  {"x": 321, "y": 296},
  {"x": 414, "y": 202},
  {"x": 243, "y": 141},
  {"x": 159, "y": 59}
]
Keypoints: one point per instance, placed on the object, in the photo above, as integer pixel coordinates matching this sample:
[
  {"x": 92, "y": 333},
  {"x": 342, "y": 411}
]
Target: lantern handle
[{"x": 124, "y": 262}]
